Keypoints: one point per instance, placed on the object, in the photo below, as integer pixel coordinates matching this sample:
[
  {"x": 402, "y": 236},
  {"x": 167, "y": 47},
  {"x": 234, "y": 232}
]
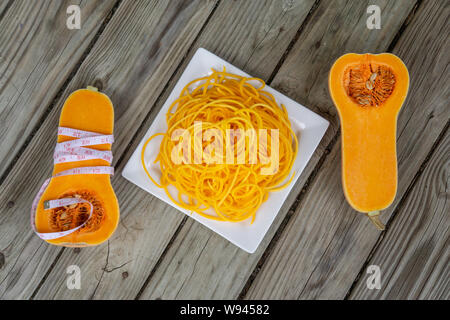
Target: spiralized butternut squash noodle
[{"x": 217, "y": 167}]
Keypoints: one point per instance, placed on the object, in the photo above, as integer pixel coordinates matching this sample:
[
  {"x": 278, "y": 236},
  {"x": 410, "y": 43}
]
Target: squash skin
[
  {"x": 87, "y": 110},
  {"x": 369, "y": 156}
]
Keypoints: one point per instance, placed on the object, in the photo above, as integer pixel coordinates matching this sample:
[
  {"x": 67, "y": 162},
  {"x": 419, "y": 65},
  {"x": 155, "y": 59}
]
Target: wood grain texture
[
  {"x": 326, "y": 243},
  {"x": 413, "y": 256},
  {"x": 131, "y": 62},
  {"x": 37, "y": 54},
  {"x": 147, "y": 223},
  {"x": 4, "y": 6},
  {"x": 157, "y": 252},
  {"x": 202, "y": 265}
]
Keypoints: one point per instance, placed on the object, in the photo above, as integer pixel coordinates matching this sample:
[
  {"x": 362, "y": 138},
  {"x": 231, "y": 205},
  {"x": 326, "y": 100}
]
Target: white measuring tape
[{"x": 69, "y": 151}]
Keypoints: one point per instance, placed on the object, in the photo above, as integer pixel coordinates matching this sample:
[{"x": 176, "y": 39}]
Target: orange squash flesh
[
  {"x": 368, "y": 91},
  {"x": 87, "y": 110}
]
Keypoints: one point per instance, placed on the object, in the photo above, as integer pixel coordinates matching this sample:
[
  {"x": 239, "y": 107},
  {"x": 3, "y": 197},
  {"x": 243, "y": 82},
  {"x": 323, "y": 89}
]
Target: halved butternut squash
[
  {"x": 368, "y": 91},
  {"x": 87, "y": 110}
]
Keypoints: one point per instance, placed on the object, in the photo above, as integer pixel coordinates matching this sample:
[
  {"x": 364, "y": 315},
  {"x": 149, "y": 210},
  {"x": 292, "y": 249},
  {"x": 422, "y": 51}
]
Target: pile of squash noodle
[{"x": 230, "y": 182}]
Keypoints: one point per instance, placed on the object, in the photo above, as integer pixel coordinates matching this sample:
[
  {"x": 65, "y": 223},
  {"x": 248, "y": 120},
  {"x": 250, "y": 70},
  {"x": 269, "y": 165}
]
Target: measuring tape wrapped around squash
[{"x": 77, "y": 206}]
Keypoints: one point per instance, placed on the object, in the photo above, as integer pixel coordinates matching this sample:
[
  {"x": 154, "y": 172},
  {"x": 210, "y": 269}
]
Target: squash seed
[
  {"x": 364, "y": 101},
  {"x": 76, "y": 214},
  {"x": 369, "y": 82}
]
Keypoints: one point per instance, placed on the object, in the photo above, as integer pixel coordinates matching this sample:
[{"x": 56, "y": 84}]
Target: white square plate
[{"x": 308, "y": 126}]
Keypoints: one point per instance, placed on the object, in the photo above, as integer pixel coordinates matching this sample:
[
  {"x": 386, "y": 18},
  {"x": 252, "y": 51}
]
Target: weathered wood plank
[
  {"x": 38, "y": 52},
  {"x": 132, "y": 63},
  {"x": 147, "y": 223},
  {"x": 326, "y": 243},
  {"x": 201, "y": 264},
  {"x": 4, "y": 6},
  {"x": 413, "y": 256}
]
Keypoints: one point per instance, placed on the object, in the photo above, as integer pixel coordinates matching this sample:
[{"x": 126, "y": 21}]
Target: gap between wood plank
[
  {"x": 316, "y": 169},
  {"x": 166, "y": 87},
  {"x": 398, "y": 208},
  {"x": 404, "y": 25},
  {"x": 60, "y": 91},
  {"x": 293, "y": 41},
  {"x": 288, "y": 217},
  {"x": 122, "y": 157},
  {"x": 162, "y": 256},
  {"x": 47, "y": 112},
  {"x": 418, "y": 173},
  {"x": 5, "y": 10},
  {"x": 47, "y": 274},
  {"x": 271, "y": 77},
  {"x": 161, "y": 95},
  {"x": 297, "y": 201}
]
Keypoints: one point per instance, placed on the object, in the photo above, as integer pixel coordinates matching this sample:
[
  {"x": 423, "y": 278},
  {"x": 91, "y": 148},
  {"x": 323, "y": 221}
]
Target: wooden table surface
[{"x": 135, "y": 51}]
